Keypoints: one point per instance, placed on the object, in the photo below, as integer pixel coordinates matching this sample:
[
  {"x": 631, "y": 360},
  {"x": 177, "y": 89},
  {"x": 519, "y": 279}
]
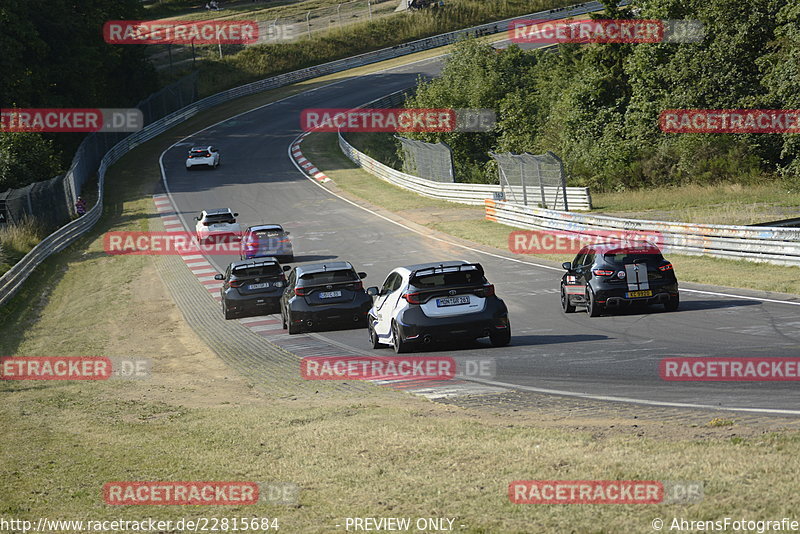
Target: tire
[
  {"x": 292, "y": 327},
  {"x": 565, "y": 304},
  {"x": 373, "y": 336},
  {"x": 672, "y": 304},
  {"x": 592, "y": 307},
  {"x": 501, "y": 338},
  {"x": 399, "y": 345},
  {"x": 227, "y": 313}
]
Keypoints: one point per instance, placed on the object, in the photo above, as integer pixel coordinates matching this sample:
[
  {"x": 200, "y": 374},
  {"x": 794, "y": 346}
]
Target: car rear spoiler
[
  {"x": 261, "y": 263},
  {"x": 447, "y": 268}
]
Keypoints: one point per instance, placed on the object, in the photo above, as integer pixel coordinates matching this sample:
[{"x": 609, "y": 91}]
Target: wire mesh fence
[
  {"x": 52, "y": 202},
  {"x": 533, "y": 179},
  {"x": 433, "y": 161}
]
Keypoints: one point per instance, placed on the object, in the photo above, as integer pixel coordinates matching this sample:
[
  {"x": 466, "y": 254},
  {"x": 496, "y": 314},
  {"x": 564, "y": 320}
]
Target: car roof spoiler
[{"x": 442, "y": 268}]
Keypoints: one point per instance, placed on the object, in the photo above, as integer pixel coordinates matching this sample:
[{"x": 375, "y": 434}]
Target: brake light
[
  {"x": 283, "y": 241},
  {"x": 235, "y": 283},
  {"x": 412, "y": 298},
  {"x": 602, "y": 272},
  {"x": 667, "y": 267},
  {"x": 358, "y": 285},
  {"x": 486, "y": 291},
  {"x": 300, "y": 291},
  {"x": 251, "y": 244}
]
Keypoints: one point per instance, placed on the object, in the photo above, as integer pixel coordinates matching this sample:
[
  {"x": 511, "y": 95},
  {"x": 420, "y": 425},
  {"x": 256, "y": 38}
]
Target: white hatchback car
[
  {"x": 217, "y": 223},
  {"x": 207, "y": 156},
  {"x": 442, "y": 301}
]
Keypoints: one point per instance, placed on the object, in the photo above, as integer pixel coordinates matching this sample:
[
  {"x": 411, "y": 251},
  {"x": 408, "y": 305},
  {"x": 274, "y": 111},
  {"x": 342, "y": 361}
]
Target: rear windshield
[
  {"x": 265, "y": 270},
  {"x": 624, "y": 258},
  {"x": 455, "y": 278},
  {"x": 329, "y": 277},
  {"x": 217, "y": 219}
]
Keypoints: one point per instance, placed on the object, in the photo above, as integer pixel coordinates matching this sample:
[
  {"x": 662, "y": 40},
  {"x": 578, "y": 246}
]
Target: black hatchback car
[
  {"x": 252, "y": 287},
  {"x": 324, "y": 294},
  {"x": 609, "y": 275}
]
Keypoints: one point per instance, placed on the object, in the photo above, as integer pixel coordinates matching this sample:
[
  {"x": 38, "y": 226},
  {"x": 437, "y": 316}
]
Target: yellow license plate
[{"x": 635, "y": 294}]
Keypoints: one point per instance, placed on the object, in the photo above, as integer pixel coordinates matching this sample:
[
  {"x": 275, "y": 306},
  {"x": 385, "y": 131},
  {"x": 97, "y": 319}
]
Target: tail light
[
  {"x": 667, "y": 267},
  {"x": 358, "y": 285},
  {"x": 251, "y": 244},
  {"x": 235, "y": 283},
  {"x": 300, "y": 291},
  {"x": 283, "y": 241},
  {"x": 485, "y": 291},
  {"x": 412, "y": 298},
  {"x": 602, "y": 272}
]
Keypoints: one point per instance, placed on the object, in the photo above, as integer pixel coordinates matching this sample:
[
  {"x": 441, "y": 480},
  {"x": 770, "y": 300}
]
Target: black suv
[
  {"x": 610, "y": 275},
  {"x": 252, "y": 287},
  {"x": 324, "y": 294}
]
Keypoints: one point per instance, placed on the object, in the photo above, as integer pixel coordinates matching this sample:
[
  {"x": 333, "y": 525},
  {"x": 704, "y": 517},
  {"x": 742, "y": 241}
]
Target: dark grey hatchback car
[
  {"x": 252, "y": 287},
  {"x": 324, "y": 294}
]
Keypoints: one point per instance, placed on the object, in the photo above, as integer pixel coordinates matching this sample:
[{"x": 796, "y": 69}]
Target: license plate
[
  {"x": 452, "y": 301},
  {"x": 330, "y": 294},
  {"x": 636, "y": 294},
  {"x": 258, "y": 286}
]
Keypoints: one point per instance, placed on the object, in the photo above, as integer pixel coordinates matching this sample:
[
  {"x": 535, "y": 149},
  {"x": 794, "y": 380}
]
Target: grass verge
[
  {"x": 17, "y": 240},
  {"x": 468, "y": 223}
]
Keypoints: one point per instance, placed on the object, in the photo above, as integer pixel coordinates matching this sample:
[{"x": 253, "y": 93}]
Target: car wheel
[
  {"x": 226, "y": 312},
  {"x": 672, "y": 304},
  {"x": 291, "y": 326},
  {"x": 501, "y": 338},
  {"x": 565, "y": 304},
  {"x": 399, "y": 345},
  {"x": 592, "y": 307},
  {"x": 373, "y": 336}
]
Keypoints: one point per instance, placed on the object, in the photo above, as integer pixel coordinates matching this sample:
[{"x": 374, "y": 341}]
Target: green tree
[{"x": 26, "y": 158}]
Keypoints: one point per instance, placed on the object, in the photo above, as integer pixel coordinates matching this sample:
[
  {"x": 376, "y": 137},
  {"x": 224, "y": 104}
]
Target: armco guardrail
[
  {"x": 760, "y": 244},
  {"x": 11, "y": 281},
  {"x": 577, "y": 197}
]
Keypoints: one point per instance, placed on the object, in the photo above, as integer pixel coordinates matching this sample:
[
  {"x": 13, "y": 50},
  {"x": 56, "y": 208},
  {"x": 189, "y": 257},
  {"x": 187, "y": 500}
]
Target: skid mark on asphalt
[{"x": 271, "y": 326}]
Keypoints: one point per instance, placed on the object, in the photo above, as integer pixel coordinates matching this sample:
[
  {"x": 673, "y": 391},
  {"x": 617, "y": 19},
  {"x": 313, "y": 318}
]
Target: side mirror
[
  {"x": 219, "y": 277},
  {"x": 372, "y": 291},
  {"x": 287, "y": 233},
  {"x": 567, "y": 265},
  {"x": 362, "y": 275},
  {"x": 287, "y": 267},
  {"x": 235, "y": 214},
  {"x": 197, "y": 218}
]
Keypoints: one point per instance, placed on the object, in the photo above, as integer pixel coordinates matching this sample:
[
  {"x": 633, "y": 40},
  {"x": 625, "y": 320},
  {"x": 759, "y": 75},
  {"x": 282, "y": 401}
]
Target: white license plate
[
  {"x": 452, "y": 301},
  {"x": 258, "y": 286},
  {"x": 330, "y": 294}
]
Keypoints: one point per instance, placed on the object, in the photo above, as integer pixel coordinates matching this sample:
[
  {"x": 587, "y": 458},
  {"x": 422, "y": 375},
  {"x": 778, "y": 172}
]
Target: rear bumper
[
  {"x": 268, "y": 303},
  {"x": 616, "y": 297},
  {"x": 416, "y": 327},
  {"x": 353, "y": 313}
]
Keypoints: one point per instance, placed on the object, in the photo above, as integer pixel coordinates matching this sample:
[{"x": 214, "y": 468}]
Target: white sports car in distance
[{"x": 202, "y": 155}]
